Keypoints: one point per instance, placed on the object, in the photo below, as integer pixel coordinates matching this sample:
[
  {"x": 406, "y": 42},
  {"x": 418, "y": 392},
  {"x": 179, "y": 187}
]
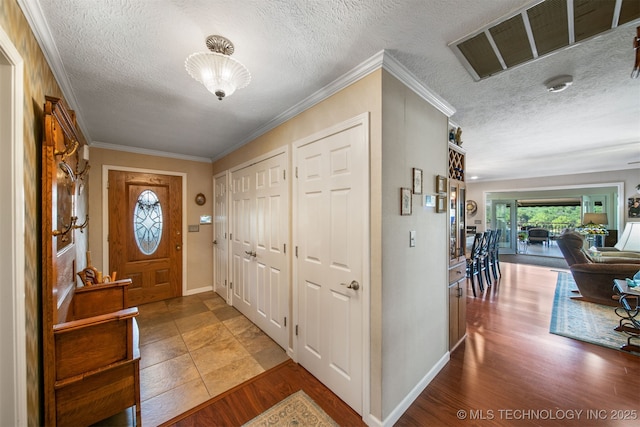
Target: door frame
[
  {"x": 105, "y": 213},
  {"x": 227, "y": 175},
  {"x": 12, "y": 303},
  {"x": 362, "y": 120}
]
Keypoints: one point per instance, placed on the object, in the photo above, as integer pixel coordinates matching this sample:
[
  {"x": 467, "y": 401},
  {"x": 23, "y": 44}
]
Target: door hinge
[
  {"x": 285, "y": 247},
  {"x": 225, "y": 235},
  {"x": 284, "y": 174},
  {"x": 230, "y": 236},
  {"x": 230, "y": 285},
  {"x": 285, "y": 321},
  {"x": 225, "y": 283},
  {"x": 296, "y": 252},
  {"x": 296, "y": 171},
  {"x": 296, "y": 330}
]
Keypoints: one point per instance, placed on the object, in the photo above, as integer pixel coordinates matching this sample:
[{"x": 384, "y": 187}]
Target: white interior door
[
  {"x": 260, "y": 230},
  {"x": 332, "y": 229},
  {"x": 242, "y": 240},
  {"x": 220, "y": 242},
  {"x": 272, "y": 230}
]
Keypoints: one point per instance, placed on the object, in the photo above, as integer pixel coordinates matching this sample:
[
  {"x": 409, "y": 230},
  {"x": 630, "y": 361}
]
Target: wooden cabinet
[
  {"x": 90, "y": 350},
  {"x": 457, "y": 247}
]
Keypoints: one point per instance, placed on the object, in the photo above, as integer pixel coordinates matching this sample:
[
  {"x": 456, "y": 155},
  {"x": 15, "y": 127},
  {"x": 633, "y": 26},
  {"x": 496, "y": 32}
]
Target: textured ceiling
[{"x": 124, "y": 64}]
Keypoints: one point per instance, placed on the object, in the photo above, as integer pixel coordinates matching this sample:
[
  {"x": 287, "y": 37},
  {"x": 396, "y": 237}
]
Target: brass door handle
[
  {"x": 178, "y": 247},
  {"x": 353, "y": 285}
]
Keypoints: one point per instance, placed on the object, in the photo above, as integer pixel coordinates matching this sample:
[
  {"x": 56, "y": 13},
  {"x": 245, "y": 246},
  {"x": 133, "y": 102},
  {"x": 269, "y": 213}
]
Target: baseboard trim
[
  {"x": 198, "y": 290},
  {"x": 397, "y": 412}
]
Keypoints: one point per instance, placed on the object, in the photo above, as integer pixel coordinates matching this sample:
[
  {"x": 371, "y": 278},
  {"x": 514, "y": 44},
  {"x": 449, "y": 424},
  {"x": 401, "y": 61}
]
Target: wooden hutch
[{"x": 457, "y": 244}]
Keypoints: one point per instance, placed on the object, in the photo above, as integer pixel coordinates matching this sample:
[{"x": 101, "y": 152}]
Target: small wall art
[
  {"x": 405, "y": 201},
  {"x": 634, "y": 207},
  {"x": 441, "y": 184},
  {"x": 430, "y": 201},
  {"x": 417, "y": 181},
  {"x": 441, "y": 203}
]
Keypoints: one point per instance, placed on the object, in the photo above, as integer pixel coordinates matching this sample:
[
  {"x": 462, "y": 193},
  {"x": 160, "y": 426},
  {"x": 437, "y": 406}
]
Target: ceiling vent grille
[{"x": 539, "y": 30}]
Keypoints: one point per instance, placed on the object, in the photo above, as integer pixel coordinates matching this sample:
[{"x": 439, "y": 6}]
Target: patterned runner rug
[
  {"x": 296, "y": 410},
  {"x": 584, "y": 321}
]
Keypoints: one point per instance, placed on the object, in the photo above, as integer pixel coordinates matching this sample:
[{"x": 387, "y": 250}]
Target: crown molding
[
  {"x": 381, "y": 59},
  {"x": 40, "y": 28},
  {"x": 148, "y": 152},
  {"x": 399, "y": 71}
]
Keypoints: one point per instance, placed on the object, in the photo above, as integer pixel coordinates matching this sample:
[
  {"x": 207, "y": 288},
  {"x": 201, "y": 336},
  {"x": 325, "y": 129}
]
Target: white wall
[{"x": 414, "y": 279}]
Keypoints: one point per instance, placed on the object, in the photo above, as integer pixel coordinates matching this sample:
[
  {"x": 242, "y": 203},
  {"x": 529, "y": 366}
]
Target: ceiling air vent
[{"x": 539, "y": 30}]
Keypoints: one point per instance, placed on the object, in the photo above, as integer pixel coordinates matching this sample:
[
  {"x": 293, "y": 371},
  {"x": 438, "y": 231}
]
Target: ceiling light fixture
[
  {"x": 558, "y": 84},
  {"x": 216, "y": 70}
]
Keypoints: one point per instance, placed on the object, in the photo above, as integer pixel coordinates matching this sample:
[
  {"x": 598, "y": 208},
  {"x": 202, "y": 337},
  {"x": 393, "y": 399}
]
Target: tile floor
[{"x": 191, "y": 349}]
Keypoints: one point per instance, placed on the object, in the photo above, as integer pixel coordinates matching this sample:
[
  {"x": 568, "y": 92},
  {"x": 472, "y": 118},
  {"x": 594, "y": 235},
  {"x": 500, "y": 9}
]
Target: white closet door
[
  {"x": 331, "y": 222},
  {"x": 260, "y": 231},
  {"x": 220, "y": 236}
]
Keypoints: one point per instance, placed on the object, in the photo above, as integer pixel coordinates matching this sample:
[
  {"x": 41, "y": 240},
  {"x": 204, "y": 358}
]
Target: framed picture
[
  {"x": 441, "y": 203},
  {"x": 441, "y": 184},
  {"x": 405, "y": 201},
  {"x": 430, "y": 201},
  {"x": 417, "y": 181},
  {"x": 634, "y": 207}
]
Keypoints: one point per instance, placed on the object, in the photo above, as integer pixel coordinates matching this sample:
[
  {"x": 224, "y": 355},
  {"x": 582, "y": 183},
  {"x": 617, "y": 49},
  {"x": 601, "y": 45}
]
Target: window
[{"x": 147, "y": 222}]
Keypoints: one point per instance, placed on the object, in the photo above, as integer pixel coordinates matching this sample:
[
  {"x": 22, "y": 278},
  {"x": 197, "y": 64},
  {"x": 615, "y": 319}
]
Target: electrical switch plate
[{"x": 412, "y": 238}]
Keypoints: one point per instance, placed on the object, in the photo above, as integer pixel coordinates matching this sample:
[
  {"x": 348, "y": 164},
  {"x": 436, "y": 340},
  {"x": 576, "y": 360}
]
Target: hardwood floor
[
  {"x": 250, "y": 399},
  {"x": 510, "y": 371}
]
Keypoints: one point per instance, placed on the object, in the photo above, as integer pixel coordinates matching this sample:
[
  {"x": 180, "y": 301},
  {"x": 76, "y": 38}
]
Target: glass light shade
[
  {"x": 595, "y": 218},
  {"x": 219, "y": 73}
]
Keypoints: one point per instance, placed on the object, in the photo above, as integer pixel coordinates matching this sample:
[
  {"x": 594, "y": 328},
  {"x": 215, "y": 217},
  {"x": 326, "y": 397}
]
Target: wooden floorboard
[
  {"x": 510, "y": 371},
  {"x": 255, "y": 396}
]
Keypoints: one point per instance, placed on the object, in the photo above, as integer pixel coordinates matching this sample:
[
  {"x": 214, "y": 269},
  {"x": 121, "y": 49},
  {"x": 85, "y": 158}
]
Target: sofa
[
  {"x": 594, "y": 277},
  {"x": 539, "y": 235}
]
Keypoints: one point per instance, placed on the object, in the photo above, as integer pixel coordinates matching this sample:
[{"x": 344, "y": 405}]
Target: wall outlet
[{"x": 412, "y": 239}]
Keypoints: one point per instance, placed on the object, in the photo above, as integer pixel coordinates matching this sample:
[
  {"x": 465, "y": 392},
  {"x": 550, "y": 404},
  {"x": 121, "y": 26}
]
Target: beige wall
[
  {"x": 409, "y": 309},
  {"x": 360, "y": 97},
  {"x": 198, "y": 245},
  {"x": 414, "y": 317},
  {"x": 38, "y": 82}
]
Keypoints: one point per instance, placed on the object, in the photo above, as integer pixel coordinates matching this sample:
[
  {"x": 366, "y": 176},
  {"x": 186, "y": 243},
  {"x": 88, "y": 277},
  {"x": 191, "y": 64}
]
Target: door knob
[
  {"x": 215, "y": 242},
  {"x": 353, "y": 285},
  {"x": 178, "y": 247},
  {"x": 251, "y": 253}
]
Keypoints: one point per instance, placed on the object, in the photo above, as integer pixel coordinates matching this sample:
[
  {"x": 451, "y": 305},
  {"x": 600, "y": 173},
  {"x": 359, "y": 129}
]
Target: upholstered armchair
[{"x": 594, "y": 277}]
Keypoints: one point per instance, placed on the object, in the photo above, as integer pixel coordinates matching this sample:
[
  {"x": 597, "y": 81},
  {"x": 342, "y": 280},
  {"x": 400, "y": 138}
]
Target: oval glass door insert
[{"x": 147, "y": 222}]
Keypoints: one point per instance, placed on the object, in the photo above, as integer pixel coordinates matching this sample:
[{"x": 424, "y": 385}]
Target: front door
[
  {"x": 332, "y": 223},
  {"x": 145, "y": 234}
]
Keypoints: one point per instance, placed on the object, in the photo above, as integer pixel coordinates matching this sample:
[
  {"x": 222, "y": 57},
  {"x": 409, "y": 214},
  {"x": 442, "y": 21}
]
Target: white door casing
[
  {"x": 259, "y": 233},
  {"x": 13, "y": 369},
  {"x": 332, "y": 238},
  {"x": 220, "y": 236}
]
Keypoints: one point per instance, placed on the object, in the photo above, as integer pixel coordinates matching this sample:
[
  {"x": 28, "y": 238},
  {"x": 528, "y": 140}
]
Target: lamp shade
[
  {"x": 595, "y": 218},
  {"x": 630, "y": 238}
]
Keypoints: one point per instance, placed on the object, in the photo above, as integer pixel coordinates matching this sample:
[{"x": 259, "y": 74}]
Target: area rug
[
  {"x": 584, "y": 321},
  {"x": 296, "y": 410}
]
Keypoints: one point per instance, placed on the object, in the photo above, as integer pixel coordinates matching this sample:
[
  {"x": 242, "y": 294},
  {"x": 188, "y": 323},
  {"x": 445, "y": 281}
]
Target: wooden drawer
[{"x": 457, "y": 272}]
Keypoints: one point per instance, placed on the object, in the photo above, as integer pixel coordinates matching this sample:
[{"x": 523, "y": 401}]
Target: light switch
[{"x": 412, "y": 238}]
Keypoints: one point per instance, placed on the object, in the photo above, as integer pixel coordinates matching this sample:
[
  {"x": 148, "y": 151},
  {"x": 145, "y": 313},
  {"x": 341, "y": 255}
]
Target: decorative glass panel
[{"x": 147, "y": 222}]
